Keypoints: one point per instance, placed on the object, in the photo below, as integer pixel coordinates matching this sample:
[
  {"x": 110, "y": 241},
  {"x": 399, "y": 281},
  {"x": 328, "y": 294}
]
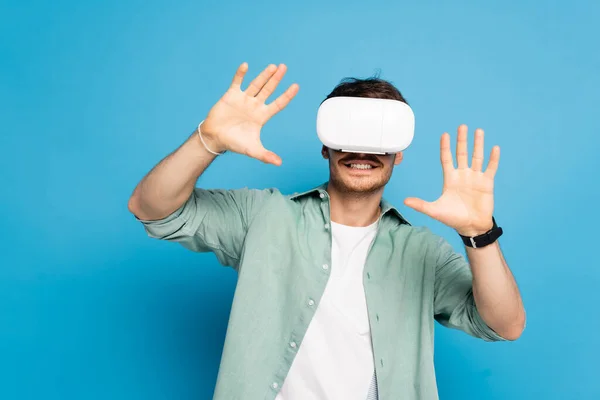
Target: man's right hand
[{"x": 234, "y": 123}]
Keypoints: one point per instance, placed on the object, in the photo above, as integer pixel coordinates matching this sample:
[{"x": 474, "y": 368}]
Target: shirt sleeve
[
  {"x": 214, "y": 220},
  {"x": 454, "y": 303}
]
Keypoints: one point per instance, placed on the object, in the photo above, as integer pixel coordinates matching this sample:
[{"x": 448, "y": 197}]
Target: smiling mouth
[{"x": 357, "y": 165}]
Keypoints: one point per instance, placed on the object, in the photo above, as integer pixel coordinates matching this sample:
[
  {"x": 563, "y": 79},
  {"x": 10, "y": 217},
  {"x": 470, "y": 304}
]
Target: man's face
[{"x": 359, "y": 172}]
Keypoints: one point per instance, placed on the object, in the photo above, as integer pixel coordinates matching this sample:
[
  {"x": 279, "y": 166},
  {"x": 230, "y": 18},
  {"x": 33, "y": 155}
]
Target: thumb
[
  {"x": 266, "y": 156},
  {"x": 271, "y": 158},
  {"x": 421, "y": 206}
]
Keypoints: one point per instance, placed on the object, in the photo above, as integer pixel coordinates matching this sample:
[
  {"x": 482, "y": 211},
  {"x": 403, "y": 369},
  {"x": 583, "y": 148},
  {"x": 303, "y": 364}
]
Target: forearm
[
  {"x": 495, "y": 290},
  {"x": 171, "y": 182}
]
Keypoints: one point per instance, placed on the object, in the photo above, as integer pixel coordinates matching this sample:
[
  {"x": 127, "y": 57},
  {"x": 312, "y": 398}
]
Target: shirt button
[
  {"x": 293, "y": 345},
  {"x": 326, "y": 226},
  {"x": 274, "y": 385},
  {"x": 322, "y": 195},
  {"x": 325, "y": 266},
  {"x": 311, "y": 302}
]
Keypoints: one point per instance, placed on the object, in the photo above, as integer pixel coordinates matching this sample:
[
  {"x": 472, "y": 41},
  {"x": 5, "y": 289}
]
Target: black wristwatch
[{"x": 485, "y": 239}]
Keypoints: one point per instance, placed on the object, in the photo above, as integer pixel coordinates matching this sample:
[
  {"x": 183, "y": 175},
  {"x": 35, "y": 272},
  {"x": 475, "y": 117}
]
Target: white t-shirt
[{"x": 335, "y": 359}]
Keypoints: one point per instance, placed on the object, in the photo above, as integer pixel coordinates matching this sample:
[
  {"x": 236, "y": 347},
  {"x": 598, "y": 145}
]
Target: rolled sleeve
[
  {"x": 179, "y": 224},
  {"x": 454, "y": 303},
  {"x": 214, "y": 220}
]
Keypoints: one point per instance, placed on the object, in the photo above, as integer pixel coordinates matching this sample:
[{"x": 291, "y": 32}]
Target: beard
[{"x": 344, "y": 182}]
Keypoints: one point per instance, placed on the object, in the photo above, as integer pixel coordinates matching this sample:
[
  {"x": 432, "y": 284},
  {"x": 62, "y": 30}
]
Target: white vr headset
[{"x": 365, "y": 125}]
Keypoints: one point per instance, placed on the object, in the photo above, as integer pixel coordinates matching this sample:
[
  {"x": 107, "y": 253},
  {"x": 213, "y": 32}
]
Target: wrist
[
  {"x": 472, "y": 232},
  {"x": 473, "y": 237},
  {"x": 209, "y": 141},
  {"x": 475, "y": 231}
]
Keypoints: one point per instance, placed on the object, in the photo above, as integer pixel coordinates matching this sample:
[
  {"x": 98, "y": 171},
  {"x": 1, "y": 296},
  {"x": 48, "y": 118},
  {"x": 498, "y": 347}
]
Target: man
[{"x": 337, "y": 293}]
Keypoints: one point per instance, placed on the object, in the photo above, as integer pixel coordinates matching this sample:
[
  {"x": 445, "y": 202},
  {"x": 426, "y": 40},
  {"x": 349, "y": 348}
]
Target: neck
[{"x": 354, "y": 209}]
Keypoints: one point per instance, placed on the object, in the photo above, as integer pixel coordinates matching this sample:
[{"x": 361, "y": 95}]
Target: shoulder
[
  {"x": 239, "y": 193},
  {"x": 423, "y": 238},
  {"x": 413, "y": 232},
  {"x": 432, "y": 240}
]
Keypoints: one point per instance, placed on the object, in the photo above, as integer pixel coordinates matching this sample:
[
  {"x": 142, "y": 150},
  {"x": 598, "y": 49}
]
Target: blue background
[{"x": 94, "y": 93}]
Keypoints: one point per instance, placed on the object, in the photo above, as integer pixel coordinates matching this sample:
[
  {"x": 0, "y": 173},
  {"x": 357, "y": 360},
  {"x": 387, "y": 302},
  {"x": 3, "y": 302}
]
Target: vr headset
[{"x": 365, "y": 125}]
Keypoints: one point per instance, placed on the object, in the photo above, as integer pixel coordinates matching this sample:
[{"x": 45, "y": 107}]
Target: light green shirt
[{"x": 280, "y": 245}]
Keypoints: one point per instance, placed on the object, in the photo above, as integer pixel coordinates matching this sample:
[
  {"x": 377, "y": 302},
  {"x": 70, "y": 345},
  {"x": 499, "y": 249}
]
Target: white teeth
[{"x": 361, "y": 166}]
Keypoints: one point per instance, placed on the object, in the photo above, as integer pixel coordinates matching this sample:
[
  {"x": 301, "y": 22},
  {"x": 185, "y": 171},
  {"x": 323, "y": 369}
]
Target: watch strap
[{"x": 485, "y": 239}]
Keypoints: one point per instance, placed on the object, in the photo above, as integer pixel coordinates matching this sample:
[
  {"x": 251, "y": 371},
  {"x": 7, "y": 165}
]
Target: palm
[
  {"x": 240, "y": 115},
  {"x": 467, "y": 200},
  {"x": 243, "y": 120}
]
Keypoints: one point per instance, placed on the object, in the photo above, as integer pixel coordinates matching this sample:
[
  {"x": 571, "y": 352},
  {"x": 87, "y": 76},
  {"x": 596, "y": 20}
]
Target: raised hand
[
  {"x": 235, "y": 121},
  {"x": 467, "y": 200}
]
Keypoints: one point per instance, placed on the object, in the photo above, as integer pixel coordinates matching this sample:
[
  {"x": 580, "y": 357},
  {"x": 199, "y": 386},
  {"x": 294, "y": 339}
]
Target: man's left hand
[{"x": 467, "y": 200}]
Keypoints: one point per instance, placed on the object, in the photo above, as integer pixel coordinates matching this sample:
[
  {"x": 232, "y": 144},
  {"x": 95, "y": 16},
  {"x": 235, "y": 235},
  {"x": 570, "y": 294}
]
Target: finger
[
  {"x": 477, "y": 162},
  {"x": 421, "y": 206},
  {"x": 446, "y": 153},
  {"x": 272, "y": 83},
  {"x": 264, "y": 155},
  {"x": 239, "y": 75},
  {"x": 260, "y": 80},
  {"x": 492, "y": 167},
  {"x": 461, "y": 147},
  {"x": 282, "y": 101}
]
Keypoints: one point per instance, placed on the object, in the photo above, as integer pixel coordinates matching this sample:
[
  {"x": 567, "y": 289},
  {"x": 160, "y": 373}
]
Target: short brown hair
[{"x": 373, "y": 87}]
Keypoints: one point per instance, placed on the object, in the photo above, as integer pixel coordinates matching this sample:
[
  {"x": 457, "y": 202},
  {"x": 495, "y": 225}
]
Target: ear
[
  {"x": 325, "y": 152},
  {"x": 398, "y": 158}
]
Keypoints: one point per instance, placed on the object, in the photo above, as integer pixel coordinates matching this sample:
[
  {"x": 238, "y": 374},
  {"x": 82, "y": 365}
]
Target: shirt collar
[{"x": 386, "y": 207}]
